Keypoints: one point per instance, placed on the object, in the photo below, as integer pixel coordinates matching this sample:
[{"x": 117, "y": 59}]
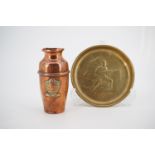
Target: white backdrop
[{"x": 20, "y": 100}]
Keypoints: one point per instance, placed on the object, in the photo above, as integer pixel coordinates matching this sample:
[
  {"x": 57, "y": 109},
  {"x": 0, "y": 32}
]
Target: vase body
[{"x": 54, "y": 76}]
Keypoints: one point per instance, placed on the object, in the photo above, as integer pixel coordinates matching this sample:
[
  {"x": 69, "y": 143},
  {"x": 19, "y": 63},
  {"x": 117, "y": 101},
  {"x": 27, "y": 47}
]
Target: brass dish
[{"x": 102, "y": 75}]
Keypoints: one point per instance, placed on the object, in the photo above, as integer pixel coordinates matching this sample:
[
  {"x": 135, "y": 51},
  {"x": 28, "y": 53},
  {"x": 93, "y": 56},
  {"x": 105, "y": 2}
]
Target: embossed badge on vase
[{"x": 52, "y": 87}]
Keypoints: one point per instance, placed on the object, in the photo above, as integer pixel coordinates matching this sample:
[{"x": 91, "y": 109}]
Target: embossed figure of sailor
[{"x": 103, "y": 80}]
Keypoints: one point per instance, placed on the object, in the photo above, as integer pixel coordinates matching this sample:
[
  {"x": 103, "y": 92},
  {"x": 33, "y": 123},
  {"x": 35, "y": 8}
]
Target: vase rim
[{"x": 47, "y": 49}]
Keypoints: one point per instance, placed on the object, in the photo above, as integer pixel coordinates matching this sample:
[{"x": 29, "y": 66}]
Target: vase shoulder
[
  {"x": 53, "y": 66},
  {"x": 53, "y": 61}
]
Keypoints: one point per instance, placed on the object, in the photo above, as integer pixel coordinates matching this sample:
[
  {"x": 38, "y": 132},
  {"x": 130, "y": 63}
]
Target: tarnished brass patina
[{"x": 102, "y": 75}]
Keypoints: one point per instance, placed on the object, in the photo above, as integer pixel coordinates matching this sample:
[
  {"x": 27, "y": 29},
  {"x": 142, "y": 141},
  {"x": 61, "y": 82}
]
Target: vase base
[{"x": 54, "y": 112}]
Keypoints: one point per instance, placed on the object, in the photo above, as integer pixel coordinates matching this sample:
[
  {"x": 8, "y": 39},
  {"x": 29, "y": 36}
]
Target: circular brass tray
[{"x": 102, "y": 75}]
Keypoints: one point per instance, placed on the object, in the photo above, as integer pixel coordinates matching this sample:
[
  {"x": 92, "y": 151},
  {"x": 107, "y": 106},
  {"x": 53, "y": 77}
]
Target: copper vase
[{"x": 54, "y": 76}]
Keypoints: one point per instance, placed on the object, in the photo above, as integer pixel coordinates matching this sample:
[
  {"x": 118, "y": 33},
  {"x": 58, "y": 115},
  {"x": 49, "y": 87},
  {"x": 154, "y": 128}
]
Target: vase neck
[{"x": 53, "y": 53}]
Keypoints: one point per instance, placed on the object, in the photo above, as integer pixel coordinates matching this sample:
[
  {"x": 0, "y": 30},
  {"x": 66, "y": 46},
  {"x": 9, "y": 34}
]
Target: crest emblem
[{"x": 52, "y": 87}]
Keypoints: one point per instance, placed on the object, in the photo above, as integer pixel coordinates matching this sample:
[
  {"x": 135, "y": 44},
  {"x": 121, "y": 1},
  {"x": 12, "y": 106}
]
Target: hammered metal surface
[{"x": 102, "y": 75}]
